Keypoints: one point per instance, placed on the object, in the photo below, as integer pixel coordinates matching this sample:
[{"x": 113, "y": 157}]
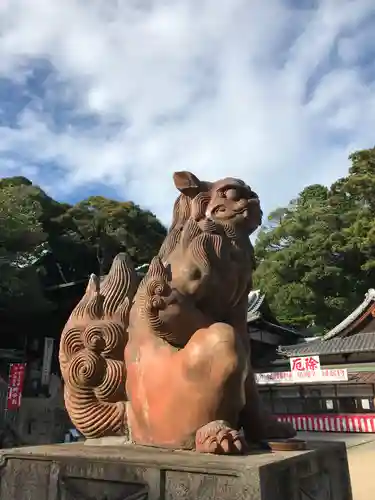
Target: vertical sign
[
  {"x": 15, "y": 385},
  {"x": 47, "y": 360}
]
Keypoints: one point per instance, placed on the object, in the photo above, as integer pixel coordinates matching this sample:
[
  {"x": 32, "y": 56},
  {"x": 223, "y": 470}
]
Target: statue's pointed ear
[{"x": 187, "y": 183}]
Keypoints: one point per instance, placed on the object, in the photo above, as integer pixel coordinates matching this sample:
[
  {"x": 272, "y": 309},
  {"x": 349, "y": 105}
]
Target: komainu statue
[{"x": 166, "y": 362}]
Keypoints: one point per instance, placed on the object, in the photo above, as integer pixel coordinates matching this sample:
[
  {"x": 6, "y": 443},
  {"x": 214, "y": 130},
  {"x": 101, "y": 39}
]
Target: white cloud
[{"x": 264, "y": 90}]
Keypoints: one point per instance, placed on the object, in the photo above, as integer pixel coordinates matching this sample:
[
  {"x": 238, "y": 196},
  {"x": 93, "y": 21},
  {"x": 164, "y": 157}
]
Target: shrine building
[{"x": 326, "y": 383}]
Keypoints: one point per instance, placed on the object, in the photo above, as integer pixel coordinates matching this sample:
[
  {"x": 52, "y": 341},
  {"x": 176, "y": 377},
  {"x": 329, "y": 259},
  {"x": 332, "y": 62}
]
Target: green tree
[
  {"x": 45, "y": 243},
  {"x": 22, "y": 243},
  {"x": 102, "y": 228},
  {"x": 316, "y": 257},
  {"x": 356, "y": 193}
]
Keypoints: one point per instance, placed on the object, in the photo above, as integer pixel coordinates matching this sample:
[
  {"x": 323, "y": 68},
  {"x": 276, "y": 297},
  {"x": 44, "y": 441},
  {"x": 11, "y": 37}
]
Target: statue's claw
[{"x": 219, "y": 438}]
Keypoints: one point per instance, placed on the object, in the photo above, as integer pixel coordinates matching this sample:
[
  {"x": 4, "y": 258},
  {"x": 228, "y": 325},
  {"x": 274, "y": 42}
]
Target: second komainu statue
[{"x": 166, "y": 362}]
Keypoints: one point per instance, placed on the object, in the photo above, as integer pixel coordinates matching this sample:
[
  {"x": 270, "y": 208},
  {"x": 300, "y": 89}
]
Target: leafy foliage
[
  {"x": 44, "y": 243},
  {"x": 316, "y": 257},
  {"x": 21, "y": 243},
  {"x": 100, "y": 228}
]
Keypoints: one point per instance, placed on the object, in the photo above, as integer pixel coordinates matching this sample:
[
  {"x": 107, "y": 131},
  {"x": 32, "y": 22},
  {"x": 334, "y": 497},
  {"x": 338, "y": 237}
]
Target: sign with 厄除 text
[{"x": 305, "y": 363}]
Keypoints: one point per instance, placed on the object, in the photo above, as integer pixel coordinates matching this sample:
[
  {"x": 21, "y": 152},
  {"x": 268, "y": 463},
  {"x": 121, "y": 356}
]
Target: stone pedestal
[{"x": 75, "y": 471}]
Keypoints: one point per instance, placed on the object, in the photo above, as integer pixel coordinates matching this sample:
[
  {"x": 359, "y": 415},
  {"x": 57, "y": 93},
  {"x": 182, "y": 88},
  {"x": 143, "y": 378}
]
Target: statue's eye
[{"x": 232, "y": 194}]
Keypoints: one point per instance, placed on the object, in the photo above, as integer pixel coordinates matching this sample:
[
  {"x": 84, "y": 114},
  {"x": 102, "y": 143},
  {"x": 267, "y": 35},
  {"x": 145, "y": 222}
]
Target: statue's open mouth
[{"x": 220, "y": 213}]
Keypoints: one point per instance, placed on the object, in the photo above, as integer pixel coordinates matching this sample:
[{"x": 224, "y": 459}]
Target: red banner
[
  {"x": 15, "y": 385},
  {"x": 361, "y": 422}
]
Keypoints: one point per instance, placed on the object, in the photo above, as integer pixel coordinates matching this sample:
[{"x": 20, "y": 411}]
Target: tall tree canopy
[
  {"x": 22, "y": 242},
  {"x": 100, "y": 228},
  {"x": 45, "y": 243},
  {"x": 316, "y": 257}
]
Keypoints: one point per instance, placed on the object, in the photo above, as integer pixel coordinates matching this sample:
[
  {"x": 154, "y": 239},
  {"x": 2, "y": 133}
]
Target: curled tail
[{"x": 92, "y": 353}]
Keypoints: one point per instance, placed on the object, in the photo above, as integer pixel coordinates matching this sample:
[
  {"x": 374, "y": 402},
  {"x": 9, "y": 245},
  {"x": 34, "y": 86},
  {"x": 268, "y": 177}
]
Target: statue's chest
[
  {"x": 237, "y": 262},
  {"x": 229, "y": 279}
]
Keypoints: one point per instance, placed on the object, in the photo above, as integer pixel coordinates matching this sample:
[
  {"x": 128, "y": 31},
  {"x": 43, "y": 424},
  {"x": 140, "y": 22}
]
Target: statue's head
[{"x": 227, "y": 201}]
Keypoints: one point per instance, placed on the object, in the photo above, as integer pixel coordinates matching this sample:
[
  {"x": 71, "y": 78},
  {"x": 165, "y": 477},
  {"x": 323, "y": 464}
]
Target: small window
[
  {"x": 347, "y": 405},
  {"x": 331, "y": 405},
  {"x": 367, "y": 404}
]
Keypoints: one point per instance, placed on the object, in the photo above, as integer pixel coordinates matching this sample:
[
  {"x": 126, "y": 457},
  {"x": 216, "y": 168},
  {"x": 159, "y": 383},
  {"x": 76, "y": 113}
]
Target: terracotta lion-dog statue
[{"x": 166, "y": 362}]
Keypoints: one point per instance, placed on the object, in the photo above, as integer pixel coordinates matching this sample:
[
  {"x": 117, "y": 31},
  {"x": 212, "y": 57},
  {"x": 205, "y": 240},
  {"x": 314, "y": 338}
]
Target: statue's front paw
[{"x": 219, "y": 438}]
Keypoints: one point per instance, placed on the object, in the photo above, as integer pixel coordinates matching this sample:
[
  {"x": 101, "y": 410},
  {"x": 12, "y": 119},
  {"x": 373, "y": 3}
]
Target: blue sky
[{"x": 109, "y": 97}]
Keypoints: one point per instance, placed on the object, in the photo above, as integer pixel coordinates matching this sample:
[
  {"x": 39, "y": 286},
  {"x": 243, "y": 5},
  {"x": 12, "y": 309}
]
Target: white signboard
[
  {"x": 47, "y": 360},
  {"x": 302, "y": 377}
]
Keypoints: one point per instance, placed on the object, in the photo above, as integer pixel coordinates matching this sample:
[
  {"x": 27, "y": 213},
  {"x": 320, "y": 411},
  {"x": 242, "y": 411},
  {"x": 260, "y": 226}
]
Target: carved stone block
[{"x": 79, "y": 472}]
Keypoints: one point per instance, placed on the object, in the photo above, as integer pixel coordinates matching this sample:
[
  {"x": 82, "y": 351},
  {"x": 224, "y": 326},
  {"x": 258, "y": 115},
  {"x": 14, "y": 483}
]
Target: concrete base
[{"x": 77, "y": 471}]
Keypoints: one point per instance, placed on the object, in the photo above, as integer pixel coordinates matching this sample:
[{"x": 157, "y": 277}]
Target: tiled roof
[
  {"x": 256, "y": 315},
  {"x": 361, "y": 378},
  {"x": 361, "y": 309},
  {"x": 360, "y": 342},
  {"x": 255, "y": 300}
]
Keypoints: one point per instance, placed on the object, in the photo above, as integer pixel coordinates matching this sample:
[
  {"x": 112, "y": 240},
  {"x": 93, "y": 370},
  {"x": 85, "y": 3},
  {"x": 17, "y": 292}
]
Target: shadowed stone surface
[{"x": 76, "y": 471}]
